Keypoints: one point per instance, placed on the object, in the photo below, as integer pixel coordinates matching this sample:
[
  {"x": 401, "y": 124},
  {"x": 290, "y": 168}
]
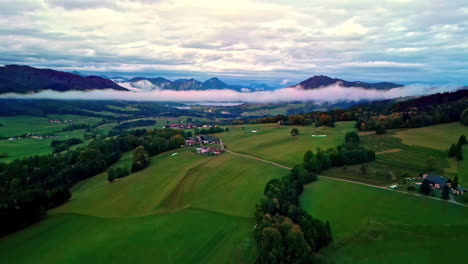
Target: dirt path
[{"x": 338, "y": 179}]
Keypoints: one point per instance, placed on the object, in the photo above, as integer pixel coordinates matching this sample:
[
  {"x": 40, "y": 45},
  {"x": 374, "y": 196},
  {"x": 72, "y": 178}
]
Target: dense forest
[
  {"x": 423, "y": 111},
  {"x": 29, "y": 186}
]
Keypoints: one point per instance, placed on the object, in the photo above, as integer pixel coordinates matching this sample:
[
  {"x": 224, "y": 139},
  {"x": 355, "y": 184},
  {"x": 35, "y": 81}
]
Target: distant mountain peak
[{"x": 319, "y": 81}]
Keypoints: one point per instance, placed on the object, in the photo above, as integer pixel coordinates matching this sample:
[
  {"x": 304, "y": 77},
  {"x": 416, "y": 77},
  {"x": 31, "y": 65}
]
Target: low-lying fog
[{"x": 332, "y": 94}]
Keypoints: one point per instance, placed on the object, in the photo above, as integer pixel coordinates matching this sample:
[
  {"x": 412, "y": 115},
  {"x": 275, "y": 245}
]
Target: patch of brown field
[{"x": 389, "y": 151}]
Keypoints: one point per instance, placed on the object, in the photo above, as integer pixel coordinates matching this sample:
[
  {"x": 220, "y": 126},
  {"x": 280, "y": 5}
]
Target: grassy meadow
[
  {"x": 185, "y": 208},
  {"x": 276, "y": 144},
  {"x": 18, "y": 125},
  {"x": 372, "y": 225}
]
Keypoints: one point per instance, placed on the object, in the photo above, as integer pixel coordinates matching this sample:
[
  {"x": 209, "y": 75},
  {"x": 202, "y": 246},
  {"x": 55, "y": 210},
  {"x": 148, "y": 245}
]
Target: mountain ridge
[
  {"x": 26, "y": 79},
  {"x": 319, "y": 81}
]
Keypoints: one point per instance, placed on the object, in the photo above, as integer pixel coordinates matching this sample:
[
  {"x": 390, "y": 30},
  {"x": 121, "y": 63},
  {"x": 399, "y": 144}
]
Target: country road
[{"x": 338, "y": 179}]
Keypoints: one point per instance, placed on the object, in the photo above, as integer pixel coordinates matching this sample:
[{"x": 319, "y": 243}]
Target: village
[{"x": 202, "y": 141}]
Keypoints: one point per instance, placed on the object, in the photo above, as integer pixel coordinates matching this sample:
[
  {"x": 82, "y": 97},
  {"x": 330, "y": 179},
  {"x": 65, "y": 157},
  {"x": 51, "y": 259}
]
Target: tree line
[
  {"x": 210, "y": 130},
  {"x": 62, "y": 145},
  {"x": 286, "y": 233},
  {"x": 30, "y": 186}
]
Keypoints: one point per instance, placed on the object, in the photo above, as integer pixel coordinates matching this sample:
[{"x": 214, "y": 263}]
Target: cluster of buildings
[
  {"x": 202, "y": 140},
  {"x": 56, "y": 121},
  {"x": 209, "y": 150},
  {"x": 182, "y": 126},
  {"x": 438, "y": 182},
  {"x": 29, "y": 135}
]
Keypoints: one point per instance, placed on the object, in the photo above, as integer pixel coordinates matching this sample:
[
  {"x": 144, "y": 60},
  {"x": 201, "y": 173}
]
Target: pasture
[
  {"x": 19, "y": 125},
  {"x": 276, "y": 144},
  {"x": 185, "y": 208},
  {"x": 372, "y": 225}
]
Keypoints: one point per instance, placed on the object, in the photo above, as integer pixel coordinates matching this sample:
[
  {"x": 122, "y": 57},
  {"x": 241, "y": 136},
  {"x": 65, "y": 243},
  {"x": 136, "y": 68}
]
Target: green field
[
  {"x": 372, "y": 225},
  {"x": 189, "y": 208},
  {"x": 182, "y": 209},
  {"x": 275, "y": 143},
  {"x": 19, "y": 125}
]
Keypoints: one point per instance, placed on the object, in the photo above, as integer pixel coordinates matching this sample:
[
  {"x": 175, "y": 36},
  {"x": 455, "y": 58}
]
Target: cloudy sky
[{"x": 278, "y": 42}]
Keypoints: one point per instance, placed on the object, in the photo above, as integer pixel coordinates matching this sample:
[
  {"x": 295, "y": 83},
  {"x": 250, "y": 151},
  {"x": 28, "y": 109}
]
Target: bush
[{"x": 411, "y": 188}]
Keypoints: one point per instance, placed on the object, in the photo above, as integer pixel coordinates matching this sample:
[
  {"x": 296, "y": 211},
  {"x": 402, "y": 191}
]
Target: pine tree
[
  {"x": 425, "y": 187},
  {"x": 445, "y": 192},
  {"x": 452, "y": 151}
]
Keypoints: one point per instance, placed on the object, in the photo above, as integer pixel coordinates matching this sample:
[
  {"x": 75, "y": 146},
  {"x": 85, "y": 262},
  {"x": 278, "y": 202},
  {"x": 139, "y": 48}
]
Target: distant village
[
  {"x": 202, "y": 141},
  {"x": 187, "y": 126}
]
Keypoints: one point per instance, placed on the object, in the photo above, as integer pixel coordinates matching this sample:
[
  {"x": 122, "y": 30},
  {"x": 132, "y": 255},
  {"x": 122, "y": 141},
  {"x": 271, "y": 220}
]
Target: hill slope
[{"x": 26, "y": 79}]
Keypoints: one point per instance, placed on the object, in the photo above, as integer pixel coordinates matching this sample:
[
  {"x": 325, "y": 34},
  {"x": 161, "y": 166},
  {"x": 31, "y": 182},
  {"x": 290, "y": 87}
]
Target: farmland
[
  {"x": 206, "y": 202},
  {"x": 21, "y": 125},
  {"x": 275, "y": 143},
  {"x": 385, "y": 226}
]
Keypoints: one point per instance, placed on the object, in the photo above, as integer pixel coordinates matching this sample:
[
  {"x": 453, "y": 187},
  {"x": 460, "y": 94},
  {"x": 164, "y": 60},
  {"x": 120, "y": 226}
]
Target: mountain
[
  {"x": 160, "y": 83},
  {"x": 78, "y": 73},
  {"x": 26, "y": 79},
  {"x": 321, "y": 81},
  {"x": 214, "y": 83}
]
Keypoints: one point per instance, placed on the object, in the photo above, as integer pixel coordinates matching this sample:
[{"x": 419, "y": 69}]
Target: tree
[
  {"x": 188, "y": 134},
  {"x": 462, "y": 140},
  {"x": 294, "y": 132},
  {"x": 363, "y": 169},
  {"x": 111, "y": 175},
  {"x": 455, "y": 182},
  {"x": 452, "y": 151},
  {"x": 464, "y": 117},
  {"x": 459, "y": 155},
  {"x": 445, "y": 192},
  {"x": 140, "y": 159},
  {"x": 425, "y": 187},
  {"x": 380, "y": 129},
  {"x": 352, "y": 137}
]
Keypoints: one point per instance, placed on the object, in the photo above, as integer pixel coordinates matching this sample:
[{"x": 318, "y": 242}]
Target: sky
[{"x": 276, "y": 42}]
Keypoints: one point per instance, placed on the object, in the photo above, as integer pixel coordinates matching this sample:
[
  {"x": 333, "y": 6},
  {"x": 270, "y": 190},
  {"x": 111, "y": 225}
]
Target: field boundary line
[{"x": 355, "y": 182}]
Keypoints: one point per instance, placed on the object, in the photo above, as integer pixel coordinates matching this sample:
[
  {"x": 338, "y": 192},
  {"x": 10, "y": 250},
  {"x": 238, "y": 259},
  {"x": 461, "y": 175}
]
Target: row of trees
[
  {"x": 210, "y": 130},
  {"x": 62, "y": 145},
  {"x": 285, "y": 233},
  {"x": 29, "y": 186}
]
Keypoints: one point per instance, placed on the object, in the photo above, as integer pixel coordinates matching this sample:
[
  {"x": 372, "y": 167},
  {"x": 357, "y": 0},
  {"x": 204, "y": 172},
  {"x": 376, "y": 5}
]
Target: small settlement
[
  {"x": 438, "y": 182},
  {"x": 202, "y": 141}
]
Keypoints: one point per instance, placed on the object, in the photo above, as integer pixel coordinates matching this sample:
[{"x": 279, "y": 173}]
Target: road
[{"x": 338, "y": 179}]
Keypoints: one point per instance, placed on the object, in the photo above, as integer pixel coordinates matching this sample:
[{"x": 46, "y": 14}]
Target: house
[
  {"x": 191, "y": 142},
  {"x": 436, "y": 180},
  {"x": 459, "y": 190}
]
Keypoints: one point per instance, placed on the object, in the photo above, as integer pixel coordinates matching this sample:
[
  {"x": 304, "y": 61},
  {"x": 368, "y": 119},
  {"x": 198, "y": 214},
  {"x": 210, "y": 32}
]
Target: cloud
[
  {"x": 332, "y": 94},
  {"x": 285, "y": 81},
  {"x": 251, "y": 39}
]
